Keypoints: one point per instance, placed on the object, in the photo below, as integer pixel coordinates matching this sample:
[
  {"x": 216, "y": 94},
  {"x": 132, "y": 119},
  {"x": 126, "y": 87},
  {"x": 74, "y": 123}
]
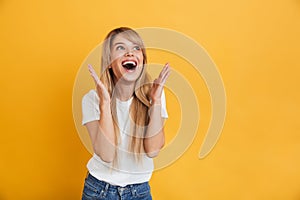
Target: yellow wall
[{"x": 255, "y": 45}]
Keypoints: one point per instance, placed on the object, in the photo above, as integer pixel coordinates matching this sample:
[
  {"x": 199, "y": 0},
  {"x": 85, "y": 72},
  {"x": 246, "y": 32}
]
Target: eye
[
  {"x": 120, "y": 47},
  {"x": 137, "y": 48}
]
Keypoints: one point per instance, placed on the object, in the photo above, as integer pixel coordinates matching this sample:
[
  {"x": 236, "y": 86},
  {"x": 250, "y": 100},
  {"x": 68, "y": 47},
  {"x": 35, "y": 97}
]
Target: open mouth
[{"x": 129, "y": 64}]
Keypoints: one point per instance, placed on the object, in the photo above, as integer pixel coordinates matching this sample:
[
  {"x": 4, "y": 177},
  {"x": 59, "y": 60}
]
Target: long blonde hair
[{"x": 140, "y": 102}]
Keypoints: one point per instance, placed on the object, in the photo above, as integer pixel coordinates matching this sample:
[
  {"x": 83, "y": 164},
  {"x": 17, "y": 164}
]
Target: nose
[{"x": 129, "y": 53}]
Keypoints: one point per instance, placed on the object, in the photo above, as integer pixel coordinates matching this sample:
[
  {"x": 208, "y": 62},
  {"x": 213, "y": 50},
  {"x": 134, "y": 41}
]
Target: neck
[{"x": 124, "y": 90}]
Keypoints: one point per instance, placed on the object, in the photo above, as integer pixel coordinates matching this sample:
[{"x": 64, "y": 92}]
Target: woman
[{"x": 124, "y": 117}]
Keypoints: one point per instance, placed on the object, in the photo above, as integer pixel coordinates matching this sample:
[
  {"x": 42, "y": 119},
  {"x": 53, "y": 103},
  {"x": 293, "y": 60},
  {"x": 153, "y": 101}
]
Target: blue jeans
[{"x": 96, "y": 189}]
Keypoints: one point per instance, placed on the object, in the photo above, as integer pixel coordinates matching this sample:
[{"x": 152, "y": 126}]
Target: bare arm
[
  {"x": 155, "y": 137},
  {"x": 102, "y": 132}
]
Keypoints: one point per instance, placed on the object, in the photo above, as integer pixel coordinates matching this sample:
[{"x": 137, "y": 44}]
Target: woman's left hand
[{"x": 158, "y": 84}]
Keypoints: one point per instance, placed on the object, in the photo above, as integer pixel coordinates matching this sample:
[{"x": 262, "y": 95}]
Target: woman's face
[{"x": 126, "y": 59}]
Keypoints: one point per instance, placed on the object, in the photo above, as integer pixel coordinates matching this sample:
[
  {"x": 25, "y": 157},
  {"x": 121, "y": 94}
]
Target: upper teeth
[{"x": 129, "y": 62}]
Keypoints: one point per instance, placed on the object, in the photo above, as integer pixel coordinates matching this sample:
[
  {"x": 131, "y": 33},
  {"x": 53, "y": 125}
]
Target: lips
[{"x": 129, "y": 64}]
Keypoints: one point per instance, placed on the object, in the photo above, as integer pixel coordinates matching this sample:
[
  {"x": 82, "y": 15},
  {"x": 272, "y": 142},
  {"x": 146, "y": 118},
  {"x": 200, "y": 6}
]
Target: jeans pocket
[
  {"x": 143, "y": 191},
  {"x": 90, "y": 191}
]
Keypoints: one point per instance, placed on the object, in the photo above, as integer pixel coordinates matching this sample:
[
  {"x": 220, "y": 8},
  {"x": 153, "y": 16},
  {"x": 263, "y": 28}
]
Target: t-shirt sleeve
[
  {"x": 164, "y": 113},
  {"x": 90, "y": 107}
]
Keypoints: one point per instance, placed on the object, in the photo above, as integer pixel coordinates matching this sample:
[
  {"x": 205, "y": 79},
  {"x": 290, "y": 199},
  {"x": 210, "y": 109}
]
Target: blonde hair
[{"x": 141, "y": 101}]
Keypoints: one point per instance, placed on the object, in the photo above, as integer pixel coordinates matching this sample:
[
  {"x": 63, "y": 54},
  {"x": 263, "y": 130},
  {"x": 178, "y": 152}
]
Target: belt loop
[
  {"x": 133, "y": 190},
  {"x": 106, "y": 187},
  {"x": 104, "y": 191}
]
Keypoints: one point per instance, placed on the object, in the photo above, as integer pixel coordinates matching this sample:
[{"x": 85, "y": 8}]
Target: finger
[
  {"x": 163, "y": 70},
  {"x": 164, "y": 74},
  {"x": 92, "y": 71},
  {"x": 166, "y": 77},
  {"x": 155, "y": 81},
  {"x": 167, "y": 71},
  {"x": 101, "y": 85},
  {"x": 100, "y": 89},
  {"x": 93, "y": 74}
]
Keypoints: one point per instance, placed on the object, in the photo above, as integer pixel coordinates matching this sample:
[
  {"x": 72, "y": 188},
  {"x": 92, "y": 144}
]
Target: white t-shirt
[{"x": 127, "y": 171}]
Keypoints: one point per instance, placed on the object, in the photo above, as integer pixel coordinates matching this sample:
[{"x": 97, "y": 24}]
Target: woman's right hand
[
  {"x": 102, "y": 131},
  {"x": 101, "y": 89}
]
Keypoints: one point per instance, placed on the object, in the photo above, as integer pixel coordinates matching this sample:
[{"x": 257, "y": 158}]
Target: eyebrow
[
  {"x": 123, "y": 43},
  {"x": 118, "y": 43}
]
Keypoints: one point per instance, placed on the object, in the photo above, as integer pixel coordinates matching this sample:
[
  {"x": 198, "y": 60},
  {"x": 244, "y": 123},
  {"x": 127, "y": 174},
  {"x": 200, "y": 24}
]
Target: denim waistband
[{"x": 108, "y": 186}]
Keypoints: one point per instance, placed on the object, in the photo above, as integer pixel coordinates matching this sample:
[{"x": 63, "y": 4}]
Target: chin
[{"x": 130, "y": 77}]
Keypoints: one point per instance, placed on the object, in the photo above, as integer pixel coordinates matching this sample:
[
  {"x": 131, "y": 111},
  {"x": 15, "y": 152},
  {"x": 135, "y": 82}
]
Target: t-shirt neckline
[{"x": 127, "y": 102}]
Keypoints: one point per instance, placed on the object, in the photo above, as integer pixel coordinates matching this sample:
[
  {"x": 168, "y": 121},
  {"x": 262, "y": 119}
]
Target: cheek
[
  {"x": 115, "y": 68},
  {"x": 116, "y": 55},
  {"x": 141, "y": 58},
  {"x": 114, "y": 59},
  {"x": 113, "y": 63}
]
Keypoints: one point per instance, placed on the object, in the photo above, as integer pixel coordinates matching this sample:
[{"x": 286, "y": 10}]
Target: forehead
[{"x": 127, "y": 39}]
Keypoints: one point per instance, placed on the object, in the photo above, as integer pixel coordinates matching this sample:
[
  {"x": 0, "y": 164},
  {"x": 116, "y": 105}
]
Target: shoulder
[
  {"x": 90, "y": 96},
  {"x": 90, "y": 107}
]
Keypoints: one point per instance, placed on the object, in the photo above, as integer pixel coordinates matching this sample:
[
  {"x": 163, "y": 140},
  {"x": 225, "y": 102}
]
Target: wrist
[
  {"x": 154, "y": 109},
  {"x": 104, "y": 106},
  {"x": 155, "y": 102}
]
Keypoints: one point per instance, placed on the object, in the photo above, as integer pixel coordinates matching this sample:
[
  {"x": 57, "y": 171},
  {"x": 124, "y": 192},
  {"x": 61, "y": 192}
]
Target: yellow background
[{"x": 255, "y": 44}]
